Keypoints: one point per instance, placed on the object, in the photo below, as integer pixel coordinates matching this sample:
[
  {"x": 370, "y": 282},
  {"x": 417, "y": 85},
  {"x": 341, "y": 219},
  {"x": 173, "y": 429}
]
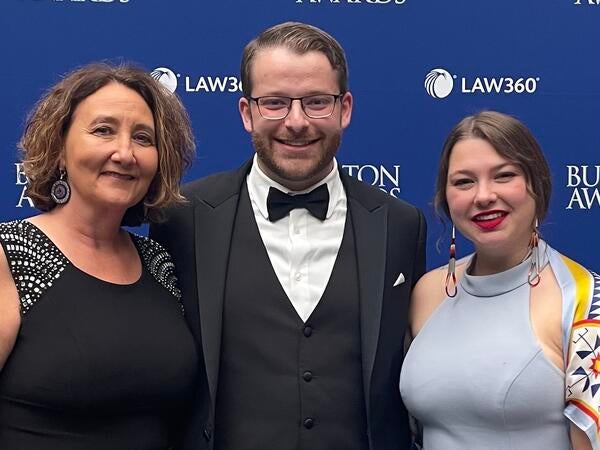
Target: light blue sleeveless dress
[{"x": 476, "y": 378}]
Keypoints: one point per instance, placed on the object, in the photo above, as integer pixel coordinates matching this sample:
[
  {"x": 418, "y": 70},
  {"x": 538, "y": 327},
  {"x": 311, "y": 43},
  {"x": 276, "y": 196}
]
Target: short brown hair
[
  {"x": 300, "y": 38},
  {"x": 513, "y": 141},
  {"x": 47, "y": 125}
]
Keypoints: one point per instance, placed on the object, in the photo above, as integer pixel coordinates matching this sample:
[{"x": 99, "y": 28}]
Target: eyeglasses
[{"x": 319, "y": 106}]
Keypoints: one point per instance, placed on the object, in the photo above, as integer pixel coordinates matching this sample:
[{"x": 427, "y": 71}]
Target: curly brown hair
[{"x": 47, "y": 125}]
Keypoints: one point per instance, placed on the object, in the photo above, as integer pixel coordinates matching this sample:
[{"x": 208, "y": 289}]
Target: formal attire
[
  {"x": 95, "y": 365},
  {"x": 300, "y": 321},
  {"x": 476, "y": 377}
]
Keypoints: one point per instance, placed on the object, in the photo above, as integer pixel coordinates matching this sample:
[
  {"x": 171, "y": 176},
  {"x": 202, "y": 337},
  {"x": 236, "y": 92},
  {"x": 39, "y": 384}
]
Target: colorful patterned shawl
[{"x": 581, "y": 343}]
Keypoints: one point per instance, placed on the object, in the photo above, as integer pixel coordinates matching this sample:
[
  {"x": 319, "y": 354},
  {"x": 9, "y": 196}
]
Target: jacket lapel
[
  {"x": 369, "y": 218},
  {"x": 214, "y": 217}
]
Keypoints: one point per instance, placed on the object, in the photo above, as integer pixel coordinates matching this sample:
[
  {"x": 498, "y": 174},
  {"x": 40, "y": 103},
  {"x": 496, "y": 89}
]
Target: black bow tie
[{"x": 280, "y": 204}]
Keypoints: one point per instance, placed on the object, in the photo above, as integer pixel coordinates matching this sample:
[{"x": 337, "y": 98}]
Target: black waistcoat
[{"x": 285, "y": 384}]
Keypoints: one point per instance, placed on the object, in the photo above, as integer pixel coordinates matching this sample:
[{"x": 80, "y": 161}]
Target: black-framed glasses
[{"x": 277, "y": 107}]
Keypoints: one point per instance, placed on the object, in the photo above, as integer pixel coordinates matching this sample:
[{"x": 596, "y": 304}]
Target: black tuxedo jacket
[{"x": 390, "y": 239}]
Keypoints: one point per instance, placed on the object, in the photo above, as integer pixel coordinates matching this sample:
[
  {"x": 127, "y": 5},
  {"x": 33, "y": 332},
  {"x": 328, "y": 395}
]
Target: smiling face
[
  {"x": 110, "y": 152},
  {"x": 296, "y": 151},
  {"x": 488, "y": 199}
]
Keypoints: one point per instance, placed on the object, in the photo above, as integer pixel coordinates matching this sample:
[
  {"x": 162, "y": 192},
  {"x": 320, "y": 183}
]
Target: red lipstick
[{"x": 489, "y": 220}]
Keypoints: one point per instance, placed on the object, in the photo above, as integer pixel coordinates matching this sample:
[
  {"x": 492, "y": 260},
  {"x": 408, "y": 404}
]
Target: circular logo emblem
[
  {"x": 439, "y": 83},
  {"x": 166, "y": 77}
]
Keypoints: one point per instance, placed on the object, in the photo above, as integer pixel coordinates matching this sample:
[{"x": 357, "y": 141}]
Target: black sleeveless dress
[{"x": 96, "y": 365}]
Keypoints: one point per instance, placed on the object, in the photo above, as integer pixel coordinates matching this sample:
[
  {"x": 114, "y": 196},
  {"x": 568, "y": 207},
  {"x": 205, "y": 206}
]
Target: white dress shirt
[{"x": 301, "y": 248}]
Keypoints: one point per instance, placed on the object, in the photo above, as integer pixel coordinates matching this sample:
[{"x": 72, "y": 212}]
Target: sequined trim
[
  {"x": 158, "y": 262},
  {"x": 34, "y": 261}
]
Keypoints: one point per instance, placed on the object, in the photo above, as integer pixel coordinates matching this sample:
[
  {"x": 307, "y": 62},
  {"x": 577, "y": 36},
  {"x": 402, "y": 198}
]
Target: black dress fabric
[{"x": 96, "y": 365}]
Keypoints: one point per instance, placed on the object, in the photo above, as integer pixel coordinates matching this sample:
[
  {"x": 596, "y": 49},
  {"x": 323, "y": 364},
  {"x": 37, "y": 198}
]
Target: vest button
[
  {"x": 307, "y": 376},
  {"x": 309, "y": 423},
  {"x": 307, "y": 331}
]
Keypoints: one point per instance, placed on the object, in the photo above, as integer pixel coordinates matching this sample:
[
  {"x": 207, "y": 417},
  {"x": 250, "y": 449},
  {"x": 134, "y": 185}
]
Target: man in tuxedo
[{"x": 295, "y": 277}]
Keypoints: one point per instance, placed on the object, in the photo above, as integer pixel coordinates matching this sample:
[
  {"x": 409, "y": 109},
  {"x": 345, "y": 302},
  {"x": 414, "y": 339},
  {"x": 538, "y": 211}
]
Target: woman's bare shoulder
[{"x": 428, "y": 294}]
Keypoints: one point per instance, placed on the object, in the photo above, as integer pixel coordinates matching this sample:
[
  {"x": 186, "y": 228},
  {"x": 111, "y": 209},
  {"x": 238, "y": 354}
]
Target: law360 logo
[
  {"x": 198, "y": 84},
  {"x": 439, "y": 83}
]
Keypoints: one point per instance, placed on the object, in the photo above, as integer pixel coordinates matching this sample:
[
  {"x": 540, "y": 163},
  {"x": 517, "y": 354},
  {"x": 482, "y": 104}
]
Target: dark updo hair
[{"x": 513, "y": 141}]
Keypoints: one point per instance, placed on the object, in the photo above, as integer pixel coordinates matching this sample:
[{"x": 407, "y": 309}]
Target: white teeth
[
  {"x": 489, "y": 216},
  {"x": 119, "y": 175},
  {"x": 296, "y": 144}
]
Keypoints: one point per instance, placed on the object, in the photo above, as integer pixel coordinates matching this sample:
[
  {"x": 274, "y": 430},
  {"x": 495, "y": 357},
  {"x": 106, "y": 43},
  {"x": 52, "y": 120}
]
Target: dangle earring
[
  {"x": 451, "y": 289},
  {"x": 60, "y": 190},
  {"x": 534, "y": 270}
]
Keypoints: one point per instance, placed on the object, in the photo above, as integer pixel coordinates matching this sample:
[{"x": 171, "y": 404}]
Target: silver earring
[{"x": 60, "y": 190}]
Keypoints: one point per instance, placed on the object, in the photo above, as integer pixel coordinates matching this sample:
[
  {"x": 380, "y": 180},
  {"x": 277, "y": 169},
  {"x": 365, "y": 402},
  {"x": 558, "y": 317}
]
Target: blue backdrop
[{"x": 536, "y": 60}]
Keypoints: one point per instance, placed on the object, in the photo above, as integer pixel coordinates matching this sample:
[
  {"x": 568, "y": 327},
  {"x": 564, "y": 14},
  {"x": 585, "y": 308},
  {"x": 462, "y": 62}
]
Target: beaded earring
[
  {"x": 534, "y": 270},
  {"x": 60, "y": 190},
  {"x": 451, "y": 289}
]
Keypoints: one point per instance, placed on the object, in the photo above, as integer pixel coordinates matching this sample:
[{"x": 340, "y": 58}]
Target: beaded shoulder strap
[
  {"x": 159, "y": 263},
  {"x": 34, "y": 261}
]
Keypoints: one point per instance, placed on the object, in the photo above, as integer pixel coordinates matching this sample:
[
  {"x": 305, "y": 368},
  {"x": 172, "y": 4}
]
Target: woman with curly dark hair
[{"x": 94, "y": 349}]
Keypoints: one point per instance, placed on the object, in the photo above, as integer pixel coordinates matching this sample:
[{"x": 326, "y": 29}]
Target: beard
[{"x": 299, "y": 171}]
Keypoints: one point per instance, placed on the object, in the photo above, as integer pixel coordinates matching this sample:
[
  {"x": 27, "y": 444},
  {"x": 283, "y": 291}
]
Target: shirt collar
[{"x": 259, "y": 184}]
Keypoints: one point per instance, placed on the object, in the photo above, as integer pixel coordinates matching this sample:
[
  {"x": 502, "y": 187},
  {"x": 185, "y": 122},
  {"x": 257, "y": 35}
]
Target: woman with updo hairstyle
[
  {"x": 94, "y": 349},
  {"x": 504, "y": 341}
]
